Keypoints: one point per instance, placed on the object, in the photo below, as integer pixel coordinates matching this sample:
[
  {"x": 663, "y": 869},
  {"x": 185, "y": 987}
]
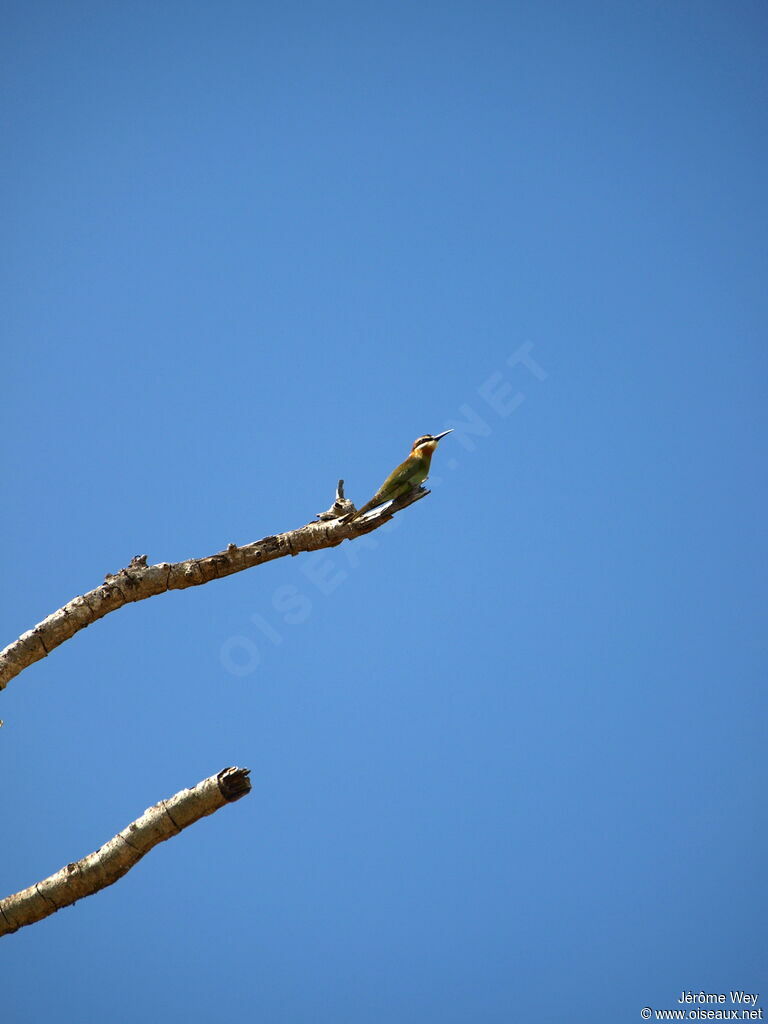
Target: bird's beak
[{"x": 436, "y": 437}]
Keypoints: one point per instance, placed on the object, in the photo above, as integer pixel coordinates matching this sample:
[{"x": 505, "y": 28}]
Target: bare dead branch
[
  {"x": 116, "y": 857},
  {"x": 139, "y": 580}
]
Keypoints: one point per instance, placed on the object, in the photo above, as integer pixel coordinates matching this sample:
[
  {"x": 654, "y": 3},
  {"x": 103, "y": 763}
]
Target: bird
[{"x": 408, "y": 475}]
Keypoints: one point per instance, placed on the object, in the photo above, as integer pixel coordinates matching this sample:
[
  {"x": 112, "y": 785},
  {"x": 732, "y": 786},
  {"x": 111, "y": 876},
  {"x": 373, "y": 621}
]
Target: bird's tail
[{"x": 375, "y": 500}]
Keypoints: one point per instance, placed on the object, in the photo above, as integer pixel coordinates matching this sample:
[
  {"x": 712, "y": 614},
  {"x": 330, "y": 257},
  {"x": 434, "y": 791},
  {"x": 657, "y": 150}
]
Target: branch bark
[
  {"x": 116, "y": 857},
  {"x": 135, "y": 583},
  {"x": 139, "y": 580}
]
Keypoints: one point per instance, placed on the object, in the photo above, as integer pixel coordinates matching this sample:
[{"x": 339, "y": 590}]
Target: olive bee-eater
[{"x": 408, "y": 475}]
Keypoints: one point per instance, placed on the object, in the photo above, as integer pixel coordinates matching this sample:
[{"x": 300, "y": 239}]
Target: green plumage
[{"x": 409, "y": 474}]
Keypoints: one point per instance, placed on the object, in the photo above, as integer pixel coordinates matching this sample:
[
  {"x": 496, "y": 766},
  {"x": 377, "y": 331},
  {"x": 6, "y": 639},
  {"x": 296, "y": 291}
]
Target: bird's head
[{"x": 426, "y": 444}]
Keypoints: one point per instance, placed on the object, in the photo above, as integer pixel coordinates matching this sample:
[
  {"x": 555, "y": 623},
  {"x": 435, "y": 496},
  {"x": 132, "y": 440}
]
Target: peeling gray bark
[
  {"x": 135, "y": 583},
  {"x": 139, "y": 580},
  {"x": 116, "y": 857}
]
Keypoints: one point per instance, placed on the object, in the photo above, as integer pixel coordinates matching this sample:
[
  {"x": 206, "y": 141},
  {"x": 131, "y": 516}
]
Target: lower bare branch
[{"x": 118, "y": 856}]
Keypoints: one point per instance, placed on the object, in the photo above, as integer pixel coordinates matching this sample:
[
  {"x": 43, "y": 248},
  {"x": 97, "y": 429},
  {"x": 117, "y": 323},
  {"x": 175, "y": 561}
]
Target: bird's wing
[{"x": 406, "y": 475}]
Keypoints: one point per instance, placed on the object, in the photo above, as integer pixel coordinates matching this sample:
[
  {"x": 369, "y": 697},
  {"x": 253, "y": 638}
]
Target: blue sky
[{"x": 508, "y": 757}]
